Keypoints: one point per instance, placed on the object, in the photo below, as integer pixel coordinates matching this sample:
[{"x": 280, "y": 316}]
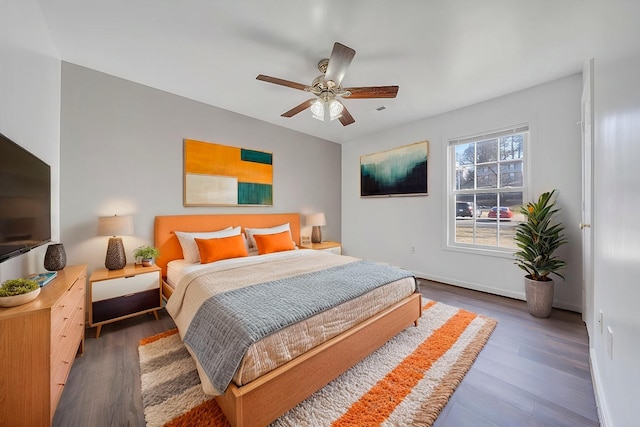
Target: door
[{"x": 587, "y": 192}]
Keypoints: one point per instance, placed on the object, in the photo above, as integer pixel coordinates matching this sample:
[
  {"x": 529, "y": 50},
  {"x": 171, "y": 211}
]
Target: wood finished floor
[{"x": 532, "y": 372}]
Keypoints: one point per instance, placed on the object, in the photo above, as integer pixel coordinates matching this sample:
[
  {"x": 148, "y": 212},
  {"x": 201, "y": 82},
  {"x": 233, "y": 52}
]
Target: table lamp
[
  {"x": 115, "y": 226},
  {"x": 316, "y": 220}
]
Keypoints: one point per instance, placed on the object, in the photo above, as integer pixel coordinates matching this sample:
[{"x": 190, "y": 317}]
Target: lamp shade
[
  {"x": 115, "y": 225},
  {"x": 317, "y": 219}
]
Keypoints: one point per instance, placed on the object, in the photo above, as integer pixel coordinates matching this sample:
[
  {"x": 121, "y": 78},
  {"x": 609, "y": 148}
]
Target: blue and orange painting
[
  {"x": 221, "y": 175},
  {"x": 398, "y": 172}
]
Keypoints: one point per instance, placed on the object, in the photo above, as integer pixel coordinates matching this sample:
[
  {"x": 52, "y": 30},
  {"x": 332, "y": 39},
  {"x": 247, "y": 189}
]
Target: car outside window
[{"x": 487, "y": 179}]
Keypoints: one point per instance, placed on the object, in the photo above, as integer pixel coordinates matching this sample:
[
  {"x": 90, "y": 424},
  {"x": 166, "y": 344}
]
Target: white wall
[
  {"x": 122, "y": 153},
  {"x": 385, "y": 228},
  {"x": 616, "y": 235},
  {"x": 30, "y": 106}
]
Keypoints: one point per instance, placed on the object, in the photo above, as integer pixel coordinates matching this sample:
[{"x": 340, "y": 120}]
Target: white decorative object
[{"x": 13, "y": 300}]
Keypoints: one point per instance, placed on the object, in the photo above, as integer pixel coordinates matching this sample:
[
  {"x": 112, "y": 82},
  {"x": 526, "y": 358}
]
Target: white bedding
[{"x": 179, "y": 268}]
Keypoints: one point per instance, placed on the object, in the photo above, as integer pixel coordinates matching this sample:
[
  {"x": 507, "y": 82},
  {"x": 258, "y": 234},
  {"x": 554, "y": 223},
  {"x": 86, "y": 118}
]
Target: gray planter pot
[
  {"x": 539, "y": 296},
  {"x": 147, "y": 262}
]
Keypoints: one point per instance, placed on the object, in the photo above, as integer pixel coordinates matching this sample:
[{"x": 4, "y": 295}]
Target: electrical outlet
[
  {"x": 412, "y": 250},
  {"x": 610, "y": 342}
]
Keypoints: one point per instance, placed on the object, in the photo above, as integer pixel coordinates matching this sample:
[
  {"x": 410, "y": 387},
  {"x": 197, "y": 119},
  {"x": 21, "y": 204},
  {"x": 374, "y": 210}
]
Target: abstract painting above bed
[{"x": 220, "y": 175}]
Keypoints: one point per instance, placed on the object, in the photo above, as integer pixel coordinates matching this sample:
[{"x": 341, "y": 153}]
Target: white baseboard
[
  {"x": 601, "y": 405},
  {"x": 496, "y": 291}
]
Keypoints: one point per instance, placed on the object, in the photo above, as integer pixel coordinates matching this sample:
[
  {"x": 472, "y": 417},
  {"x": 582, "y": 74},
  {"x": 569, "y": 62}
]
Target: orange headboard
[{"x": 165, "y": 227}]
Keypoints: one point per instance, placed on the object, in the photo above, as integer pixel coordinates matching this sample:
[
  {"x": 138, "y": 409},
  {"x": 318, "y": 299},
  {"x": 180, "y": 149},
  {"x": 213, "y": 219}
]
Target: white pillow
[
  {"x": 190, "y": 251},
  {"x": 271, "y": 230}
]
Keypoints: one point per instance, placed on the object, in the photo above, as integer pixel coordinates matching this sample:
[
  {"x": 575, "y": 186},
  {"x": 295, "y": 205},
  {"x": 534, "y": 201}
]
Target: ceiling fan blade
[
  {"x": 281, "y": 82},
  {"x": 346, "y": 118},
  {"x": 373, "y": 92},
  {"x": 298, "y": 108},
  {"x": 341, "y": 57}
]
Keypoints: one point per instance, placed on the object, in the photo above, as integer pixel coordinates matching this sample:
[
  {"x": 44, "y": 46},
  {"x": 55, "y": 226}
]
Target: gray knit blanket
[{"x": 226, "y": 324}]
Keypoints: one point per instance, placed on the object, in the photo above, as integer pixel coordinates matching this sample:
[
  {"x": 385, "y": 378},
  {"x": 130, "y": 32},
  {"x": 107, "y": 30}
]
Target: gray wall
[
  {"x": 30, "y": 106},
  {"x": 386, "y": 228},
  {"x": 122, "y": 153}
]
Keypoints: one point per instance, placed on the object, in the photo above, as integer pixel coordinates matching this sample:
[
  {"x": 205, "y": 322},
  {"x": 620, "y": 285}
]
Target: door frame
[{"x": 587, "y": 125}]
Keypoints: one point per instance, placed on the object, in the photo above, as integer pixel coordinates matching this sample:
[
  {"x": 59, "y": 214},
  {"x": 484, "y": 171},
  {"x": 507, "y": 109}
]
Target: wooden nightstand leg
[
  {"x": 98, "y": 329},
  {"x": 155, "y": 313}
]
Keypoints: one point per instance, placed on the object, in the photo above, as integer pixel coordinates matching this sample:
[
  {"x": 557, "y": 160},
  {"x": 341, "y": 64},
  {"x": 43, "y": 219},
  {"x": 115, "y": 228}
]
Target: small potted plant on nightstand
[
  {"x": 18, "y": 291},
  {"x": 148, "y": 254}
]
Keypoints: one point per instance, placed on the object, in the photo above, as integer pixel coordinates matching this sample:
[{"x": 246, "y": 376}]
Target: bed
[{"x": 256, "y": 396}]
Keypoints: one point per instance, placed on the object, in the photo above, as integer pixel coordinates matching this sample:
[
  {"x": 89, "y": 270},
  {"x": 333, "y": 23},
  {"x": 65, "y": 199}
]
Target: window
[{"x": 487, "y": 176}]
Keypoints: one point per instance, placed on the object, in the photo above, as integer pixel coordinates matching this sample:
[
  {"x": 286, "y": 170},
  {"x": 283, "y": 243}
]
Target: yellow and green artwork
[{"x": 220, "y": 175}]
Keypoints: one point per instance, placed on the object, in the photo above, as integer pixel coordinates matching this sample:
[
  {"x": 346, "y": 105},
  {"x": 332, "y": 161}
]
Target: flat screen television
[{"x": 25, "y": 200}]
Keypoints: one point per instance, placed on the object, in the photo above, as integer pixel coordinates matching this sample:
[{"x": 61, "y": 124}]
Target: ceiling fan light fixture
[
  {"x": 326, "y": 110},
  {"x": 317, "y": 109},
  {"x": 335, "y": 109},
  {"x": 328, "y": 86}
]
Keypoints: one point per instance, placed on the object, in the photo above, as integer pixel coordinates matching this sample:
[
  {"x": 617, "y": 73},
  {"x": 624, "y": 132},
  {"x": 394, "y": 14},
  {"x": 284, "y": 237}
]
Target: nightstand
[
  {"x": 119, "y": 294},
  {"x": 333, "y": 247}
]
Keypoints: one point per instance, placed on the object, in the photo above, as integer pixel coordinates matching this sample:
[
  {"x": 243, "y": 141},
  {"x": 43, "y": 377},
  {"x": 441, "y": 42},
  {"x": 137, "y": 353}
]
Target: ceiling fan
[{"x": 327, "y": 88}]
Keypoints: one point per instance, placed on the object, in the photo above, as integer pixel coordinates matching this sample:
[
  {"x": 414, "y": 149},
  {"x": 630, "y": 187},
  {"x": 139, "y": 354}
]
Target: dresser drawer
[
  {"x": 112, "y": 288},
  {"x": 64, "y": 348},
  {"x": 336, "y": 250},
  {"x": 66, "y": 340},
  {"x": 67, "y": 307},
  {"x": 114, "y": 308},
  {"x": 120, "y": 294}
]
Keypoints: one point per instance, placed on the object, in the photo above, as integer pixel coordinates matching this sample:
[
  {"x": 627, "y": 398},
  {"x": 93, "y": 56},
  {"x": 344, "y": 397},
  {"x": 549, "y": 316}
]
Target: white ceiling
[{"x": 444, "y": 54}]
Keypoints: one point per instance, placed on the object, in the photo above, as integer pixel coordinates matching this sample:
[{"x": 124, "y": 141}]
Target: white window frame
[{"x": 450, "y": 219}]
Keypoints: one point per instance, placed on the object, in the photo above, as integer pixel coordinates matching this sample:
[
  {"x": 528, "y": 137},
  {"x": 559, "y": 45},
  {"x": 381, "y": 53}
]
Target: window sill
[{"x": 481, "y": 250}]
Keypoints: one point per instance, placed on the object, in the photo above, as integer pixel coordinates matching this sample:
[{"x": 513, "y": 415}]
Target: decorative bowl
[{"x": 14, "y": 300}]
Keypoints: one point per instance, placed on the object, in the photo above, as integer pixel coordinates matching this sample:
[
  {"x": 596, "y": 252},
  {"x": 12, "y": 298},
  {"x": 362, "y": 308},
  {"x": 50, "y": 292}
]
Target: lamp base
[
  {"x": 316, "y": 234},
  {"x": 116, "y": 258}
]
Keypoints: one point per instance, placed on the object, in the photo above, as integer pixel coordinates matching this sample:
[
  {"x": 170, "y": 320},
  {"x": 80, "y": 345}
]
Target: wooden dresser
[{"x": 38, "y": 344}]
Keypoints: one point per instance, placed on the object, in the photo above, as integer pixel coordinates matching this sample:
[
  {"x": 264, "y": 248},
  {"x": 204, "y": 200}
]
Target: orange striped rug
[{"x": 406, "y": 382}]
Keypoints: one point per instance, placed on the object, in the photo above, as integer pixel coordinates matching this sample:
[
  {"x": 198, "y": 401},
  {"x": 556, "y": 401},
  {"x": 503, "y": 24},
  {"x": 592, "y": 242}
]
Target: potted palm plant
[
  {"x": 148, "y": 254},
  {"x": 538, "y": 238}
]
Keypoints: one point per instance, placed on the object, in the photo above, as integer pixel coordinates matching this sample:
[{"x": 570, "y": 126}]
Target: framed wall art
[
  {"x": 220, "y": 175},
  {"x": 401, "y": 171}
]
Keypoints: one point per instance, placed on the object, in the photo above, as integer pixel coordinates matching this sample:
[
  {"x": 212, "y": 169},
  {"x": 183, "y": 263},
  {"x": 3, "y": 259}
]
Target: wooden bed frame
[{"x": 271, "y": 395}]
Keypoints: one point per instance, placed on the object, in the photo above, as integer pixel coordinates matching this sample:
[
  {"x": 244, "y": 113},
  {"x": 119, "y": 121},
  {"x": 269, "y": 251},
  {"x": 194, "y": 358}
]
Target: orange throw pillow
[
  {"x": 217, "y": 249},
  {"x": 269, "y": 243}
]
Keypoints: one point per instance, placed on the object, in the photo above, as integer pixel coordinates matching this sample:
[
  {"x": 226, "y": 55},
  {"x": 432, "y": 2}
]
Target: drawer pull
[
  {"x": 62, "y": 384},
  {"x": 64, "y": 336},
  {"x": 65, "y": 362},
  {"x": 128, "y": 277},
  {"x": 66, "y": 318}
]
